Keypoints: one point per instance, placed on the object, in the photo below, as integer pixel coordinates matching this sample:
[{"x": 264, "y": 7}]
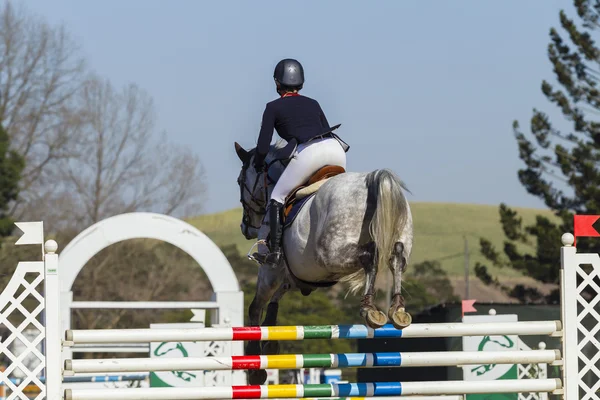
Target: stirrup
[{"x": 257, "y": 257}]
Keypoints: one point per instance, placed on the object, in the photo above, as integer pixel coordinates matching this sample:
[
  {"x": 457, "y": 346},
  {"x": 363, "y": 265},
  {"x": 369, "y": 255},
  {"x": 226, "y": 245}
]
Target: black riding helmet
[{"x": 289, "y": 74}]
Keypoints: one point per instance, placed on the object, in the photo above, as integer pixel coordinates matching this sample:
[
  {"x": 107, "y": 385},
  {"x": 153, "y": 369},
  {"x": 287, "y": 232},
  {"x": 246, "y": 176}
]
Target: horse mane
[
  {"x": 276, "y": 169},
  {"x": 279, "y": 144}
]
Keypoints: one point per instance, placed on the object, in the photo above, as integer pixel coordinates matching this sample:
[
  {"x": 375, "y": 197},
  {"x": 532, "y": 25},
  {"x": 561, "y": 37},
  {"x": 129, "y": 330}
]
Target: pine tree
[
  {"x": 11, "y": 166},
  {"x": 562, "y": 165}
]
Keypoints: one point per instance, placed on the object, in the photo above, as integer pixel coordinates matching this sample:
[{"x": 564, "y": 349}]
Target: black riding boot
[{"x": 275, "y": 211}]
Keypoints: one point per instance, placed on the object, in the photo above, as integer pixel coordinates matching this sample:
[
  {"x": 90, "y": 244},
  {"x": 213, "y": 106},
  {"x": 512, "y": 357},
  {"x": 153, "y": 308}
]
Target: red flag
[
  {"x": 467, "y": 306},
  {"x": 583, "y": 226}
]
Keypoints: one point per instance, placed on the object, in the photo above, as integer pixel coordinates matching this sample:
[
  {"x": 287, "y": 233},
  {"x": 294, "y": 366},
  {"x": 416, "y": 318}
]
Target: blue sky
[{"x": 428, "y": 89}]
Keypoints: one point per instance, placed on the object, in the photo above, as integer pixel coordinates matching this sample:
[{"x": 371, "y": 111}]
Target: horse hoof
[
  {"x": 270, "y": 348},
  {"x": 257, "y": 377},
  {"x": 376, "y": 319},
  {"x": 401, "y": 319}
]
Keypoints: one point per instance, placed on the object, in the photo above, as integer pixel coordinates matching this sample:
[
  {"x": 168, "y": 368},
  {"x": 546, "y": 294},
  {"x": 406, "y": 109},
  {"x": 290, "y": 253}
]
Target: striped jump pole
[
  {"x": 294, "y": 361},
  {"x": 93, "y": 378},
  {"x": 88, "y": 379},
  {"x": 439, "y": 397},
  {"x": 105, "y": 378},
  {"x": 452, "y": 329},
  {"x": 382, "y": 389}
]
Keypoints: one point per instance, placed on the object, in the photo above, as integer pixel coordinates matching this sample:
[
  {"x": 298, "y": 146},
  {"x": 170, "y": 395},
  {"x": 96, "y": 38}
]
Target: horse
[{"x": 353, "y": 224}]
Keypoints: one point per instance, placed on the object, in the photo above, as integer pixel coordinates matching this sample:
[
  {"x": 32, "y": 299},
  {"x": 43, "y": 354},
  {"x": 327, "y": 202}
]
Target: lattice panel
[
  {"x": 588, "y": 328},
  {"x": 22, "y": 331},
  {"x": 532, "y": 371}
]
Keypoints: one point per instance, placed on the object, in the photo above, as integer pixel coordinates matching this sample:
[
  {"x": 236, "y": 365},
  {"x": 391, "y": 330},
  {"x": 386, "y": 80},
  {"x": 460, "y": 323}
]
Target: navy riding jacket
[{"x": 294, "y": 117}]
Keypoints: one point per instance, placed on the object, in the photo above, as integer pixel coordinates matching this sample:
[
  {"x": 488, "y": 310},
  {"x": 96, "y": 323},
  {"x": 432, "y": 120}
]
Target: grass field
[{"x": 440, "y": 231}]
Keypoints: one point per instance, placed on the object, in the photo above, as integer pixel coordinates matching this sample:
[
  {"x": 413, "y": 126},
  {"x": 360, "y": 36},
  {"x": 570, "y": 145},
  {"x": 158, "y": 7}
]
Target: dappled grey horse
[{"x": 356, "y": 223}]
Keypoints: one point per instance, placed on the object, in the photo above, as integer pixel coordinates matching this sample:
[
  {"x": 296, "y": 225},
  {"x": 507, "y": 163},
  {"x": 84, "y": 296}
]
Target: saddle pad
[
  {"x": 322, "y": 174},
  {"x": 308, "y": 190},
  {"x": 291, "y": 216}
]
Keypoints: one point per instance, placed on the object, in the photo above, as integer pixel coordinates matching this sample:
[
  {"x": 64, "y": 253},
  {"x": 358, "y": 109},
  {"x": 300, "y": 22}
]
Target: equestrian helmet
[{"x": 289, "y": 73}]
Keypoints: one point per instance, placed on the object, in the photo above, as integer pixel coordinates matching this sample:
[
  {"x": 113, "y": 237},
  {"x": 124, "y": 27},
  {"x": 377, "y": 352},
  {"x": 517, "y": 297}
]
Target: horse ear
[{"x": 243, "y": 155}]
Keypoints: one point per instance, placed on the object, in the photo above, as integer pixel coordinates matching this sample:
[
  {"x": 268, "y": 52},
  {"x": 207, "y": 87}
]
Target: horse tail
[
  {"x": 391, "y": 213},
  {"x": 389, "y": 219}
]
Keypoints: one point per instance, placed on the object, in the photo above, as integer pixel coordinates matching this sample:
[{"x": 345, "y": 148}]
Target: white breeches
[{"x": 309, "y": 159}]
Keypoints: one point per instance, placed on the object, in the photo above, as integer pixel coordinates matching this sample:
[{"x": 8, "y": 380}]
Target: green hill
[{"x": 440, "y": 231}]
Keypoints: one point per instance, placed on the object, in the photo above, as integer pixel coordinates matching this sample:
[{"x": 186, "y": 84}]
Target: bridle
[{"x": 261, "y": 202}]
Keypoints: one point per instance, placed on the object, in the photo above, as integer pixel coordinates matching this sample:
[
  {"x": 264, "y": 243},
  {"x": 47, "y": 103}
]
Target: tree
[
  {"x": 91, "y": 150},
  {"x": 428, "y": 285},
  {"x": 40, "y": 72},
  {"x": 562, "y": 162},
  {"x": 119, "y": 165},
  {"x": 11, "y": 166}
]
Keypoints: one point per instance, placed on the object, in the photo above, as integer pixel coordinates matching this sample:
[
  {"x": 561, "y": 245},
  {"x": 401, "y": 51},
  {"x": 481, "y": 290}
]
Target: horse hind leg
[
  {"x": 397, "y": 313},
  {"x": 372, "y": 315}
]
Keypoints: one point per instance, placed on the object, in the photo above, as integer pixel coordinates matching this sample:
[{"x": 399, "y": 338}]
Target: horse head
[
  {"x": 255, "y": 187},
  {"x": 253, "y": 194}
]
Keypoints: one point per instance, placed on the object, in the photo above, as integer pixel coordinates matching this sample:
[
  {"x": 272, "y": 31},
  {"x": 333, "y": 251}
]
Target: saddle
[{"x": 296, "y": 199}]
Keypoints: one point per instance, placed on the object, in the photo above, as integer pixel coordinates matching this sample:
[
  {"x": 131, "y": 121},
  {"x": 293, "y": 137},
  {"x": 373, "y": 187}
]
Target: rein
[{"x": 260, "y": 202}]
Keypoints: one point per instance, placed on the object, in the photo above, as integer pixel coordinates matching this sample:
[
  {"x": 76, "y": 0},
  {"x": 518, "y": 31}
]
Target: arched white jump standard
[
  {"x": 227, "y": 297},
  {"x": 141, "y": 225}
]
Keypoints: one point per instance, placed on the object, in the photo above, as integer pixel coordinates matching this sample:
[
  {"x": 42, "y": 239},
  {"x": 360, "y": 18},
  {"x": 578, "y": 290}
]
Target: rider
[{"x": 300, "y": 119}]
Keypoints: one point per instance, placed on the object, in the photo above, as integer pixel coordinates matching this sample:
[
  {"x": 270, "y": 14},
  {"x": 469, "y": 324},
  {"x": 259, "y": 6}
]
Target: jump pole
[
  {"x": 440, "y": 397},
  {"x": 381, "y": 389},
  {"x": 93, "y": 378},
  {"x": 293, "y": 361},
  {"x": 284, "y": 333}
]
